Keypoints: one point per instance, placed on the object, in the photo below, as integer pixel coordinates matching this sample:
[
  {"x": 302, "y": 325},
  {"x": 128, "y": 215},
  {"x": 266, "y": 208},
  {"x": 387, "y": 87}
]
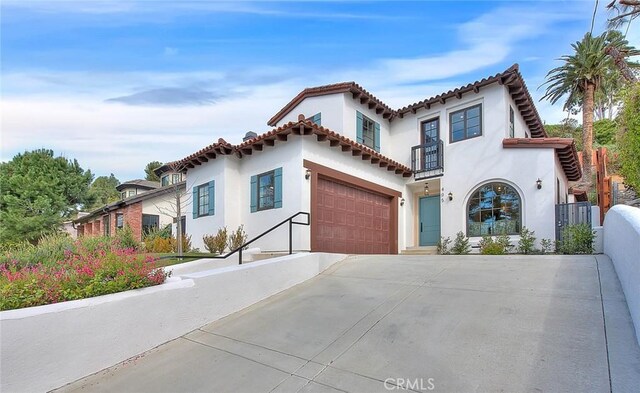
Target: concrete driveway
[{"x": 422, "y": 323}]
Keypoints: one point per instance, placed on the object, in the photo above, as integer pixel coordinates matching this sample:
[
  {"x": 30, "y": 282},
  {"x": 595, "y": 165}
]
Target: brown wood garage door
[{"x": 351, "y": 220}]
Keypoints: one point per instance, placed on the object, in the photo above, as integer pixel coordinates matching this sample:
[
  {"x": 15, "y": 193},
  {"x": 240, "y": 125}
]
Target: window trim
[
  {"x": 118, "y": 215},
  {"x": 477, "y": 189},
  {"x": 480, "y": 117},
  {"x": 429, "y": 120},
  {"x": 200, "y": 187},
  {"x": 273, "y": 204},
  {"x": 173, "y": 178},
  {"x": 365, "y": 118}
]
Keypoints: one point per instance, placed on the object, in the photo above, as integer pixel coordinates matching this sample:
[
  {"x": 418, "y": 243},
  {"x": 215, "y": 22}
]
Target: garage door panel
[{"x": 350, "y": 219}]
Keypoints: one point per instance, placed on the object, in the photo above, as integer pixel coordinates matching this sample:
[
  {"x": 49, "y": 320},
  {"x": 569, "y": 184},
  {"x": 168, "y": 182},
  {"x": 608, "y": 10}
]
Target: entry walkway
[{"x": 425, "y": 323}]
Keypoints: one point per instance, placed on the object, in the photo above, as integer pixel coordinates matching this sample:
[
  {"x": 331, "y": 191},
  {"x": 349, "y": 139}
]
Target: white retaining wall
[
  {"x": 45, "y": 347},
  {"x": 622, "y": 245}
]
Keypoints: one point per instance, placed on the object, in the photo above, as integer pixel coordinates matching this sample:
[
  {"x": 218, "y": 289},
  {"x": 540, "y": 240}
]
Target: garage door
[{"x": 351, "y": 220}]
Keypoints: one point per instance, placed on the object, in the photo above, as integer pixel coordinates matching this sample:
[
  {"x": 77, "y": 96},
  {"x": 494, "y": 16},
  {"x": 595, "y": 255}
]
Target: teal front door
[{"x": 429, "y": 220}]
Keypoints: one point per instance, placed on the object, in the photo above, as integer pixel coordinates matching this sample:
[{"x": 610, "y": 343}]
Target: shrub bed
[{"x": 88, "y": 267}]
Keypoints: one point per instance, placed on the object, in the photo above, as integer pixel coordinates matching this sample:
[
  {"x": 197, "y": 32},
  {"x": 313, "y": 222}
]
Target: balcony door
[{"x": 430, "y": 130}]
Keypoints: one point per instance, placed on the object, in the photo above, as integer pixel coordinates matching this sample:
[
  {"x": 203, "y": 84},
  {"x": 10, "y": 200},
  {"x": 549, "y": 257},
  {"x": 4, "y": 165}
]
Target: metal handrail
[
  {"x": 417, "y": 161},
  {"x": 289, "y": 220}
]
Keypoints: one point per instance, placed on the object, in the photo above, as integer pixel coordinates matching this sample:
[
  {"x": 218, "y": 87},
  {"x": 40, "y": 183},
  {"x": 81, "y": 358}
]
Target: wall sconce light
[
  {"x": 426, "y": 189},
  {"x": 539, "y": 183},
  {"x": 307, "y": 174},
  {"x": 401, "y": 201},
  {"x": 450, "y": 196}
]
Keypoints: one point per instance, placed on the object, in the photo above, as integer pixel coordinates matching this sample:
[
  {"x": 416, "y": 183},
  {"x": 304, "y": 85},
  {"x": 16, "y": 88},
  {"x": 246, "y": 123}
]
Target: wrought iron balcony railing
[{"x": 428, "y": 160}]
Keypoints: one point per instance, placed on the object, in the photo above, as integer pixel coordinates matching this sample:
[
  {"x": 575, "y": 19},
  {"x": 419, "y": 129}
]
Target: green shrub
[
  {"x": 82, "y": 274},
  {"x": 186, "y": 244},
  {"x": 546, "y": 245},
  {"x": 159, "y": 245},
  {"x": 124, "y": 237},
  {"x": 95, "y": 243},
  {"x": 49, "y": 250},
  {"x": 237, "y": 238},
  {"x": 153, "y": 233},
  {"x": 461, "y": 244},
  {"x": 577, "y": 239},
  {"x": 217, "y": 243},
  {"x": 443, "y": 245},
  {"x": 527, "y": 241},
  {"x": 493, "y": 248},
  {"x": 505, "y": 241}
]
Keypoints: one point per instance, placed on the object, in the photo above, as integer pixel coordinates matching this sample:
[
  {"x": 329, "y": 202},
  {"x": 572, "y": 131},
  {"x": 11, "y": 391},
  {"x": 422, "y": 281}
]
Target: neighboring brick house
[{"x": 153, "y": 208}]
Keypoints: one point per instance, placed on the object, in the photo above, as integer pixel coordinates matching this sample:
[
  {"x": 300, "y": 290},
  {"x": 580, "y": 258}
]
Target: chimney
[{"x": 249, "y": 135}]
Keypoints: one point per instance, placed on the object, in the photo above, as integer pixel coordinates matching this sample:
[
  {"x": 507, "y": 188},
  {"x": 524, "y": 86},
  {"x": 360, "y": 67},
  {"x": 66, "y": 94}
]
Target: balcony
[{"x": 427, "y": 160}]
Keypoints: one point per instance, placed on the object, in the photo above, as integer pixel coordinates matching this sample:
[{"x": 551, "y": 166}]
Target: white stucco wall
[
  {"x": 622, "y": 245},
  {"x": 45, "y": 347},
  {"x": 330, "y": 106},
  {"x": 476, "y": 161},
  {"x": 163, "y": 206}
]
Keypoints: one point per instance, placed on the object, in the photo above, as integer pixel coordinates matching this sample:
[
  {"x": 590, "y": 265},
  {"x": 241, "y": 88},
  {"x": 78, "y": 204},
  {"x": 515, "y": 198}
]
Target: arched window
[{"x": 494, "y": 209}]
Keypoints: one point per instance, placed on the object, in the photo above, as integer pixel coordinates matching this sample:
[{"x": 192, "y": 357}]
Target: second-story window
[
  {"x": 165, "y": 180},
  {"x": 203, "y": 200},
  {"x": 512, "y": 123},
  {"x": 176, "y": 178},
  {"x": 465, "y": 123},
  {"x": 367, "y": 131}
]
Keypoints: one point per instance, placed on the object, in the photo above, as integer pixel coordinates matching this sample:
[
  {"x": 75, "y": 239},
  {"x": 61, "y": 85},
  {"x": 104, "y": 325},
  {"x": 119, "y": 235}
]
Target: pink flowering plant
[{"x": 96, "y": 268}]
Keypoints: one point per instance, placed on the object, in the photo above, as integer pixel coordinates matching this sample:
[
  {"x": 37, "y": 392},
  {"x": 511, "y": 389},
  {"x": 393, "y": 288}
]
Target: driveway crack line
[{"x": 604, "y": 324}]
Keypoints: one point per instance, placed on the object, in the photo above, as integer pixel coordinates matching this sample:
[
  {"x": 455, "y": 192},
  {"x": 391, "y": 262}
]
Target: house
[
  {"x": 475, "y": 159},
  {"x": 144, "y": 205},
  {"x": 135, "y": 187}
]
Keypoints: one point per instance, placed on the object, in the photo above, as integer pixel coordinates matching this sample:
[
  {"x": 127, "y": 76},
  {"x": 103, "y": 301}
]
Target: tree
[
  {"x": 625, "y": 10},
  {"x": 604, "y": 131},
  {"x": 151, "y": 176},
  {"x": 103, "y": 191},
  {"x": 567, "y": 128},
  {"x": 579, "y": 78},
  {"x": 37, "y": 193},
  {"x": 630, "y": 137}
]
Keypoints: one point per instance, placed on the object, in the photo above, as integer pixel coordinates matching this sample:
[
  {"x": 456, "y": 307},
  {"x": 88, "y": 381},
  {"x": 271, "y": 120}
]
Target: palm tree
[{"x": 579, "y": 78}]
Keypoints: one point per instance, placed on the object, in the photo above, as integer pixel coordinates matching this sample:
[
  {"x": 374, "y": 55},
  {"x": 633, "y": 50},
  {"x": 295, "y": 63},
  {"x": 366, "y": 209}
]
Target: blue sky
[{"x": 119, "y": 83}]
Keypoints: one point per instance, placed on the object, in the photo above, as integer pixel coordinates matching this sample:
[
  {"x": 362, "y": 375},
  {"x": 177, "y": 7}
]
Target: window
[
  {"x": 204, "y": 199},
  {"x": 512, "y": 120},
  {"x": 176, "y": 178},
  {"x": 106, "y": 221},
  {"x": 266, "y": 190},
  {"x": 165, "y": 180},
  {"x": 150, "y": 222},
  {"x": 123, "y": 194},
  {"x": 131, "y": 193},
  {"x": 367, "y": 131},
  {"x": 494, "y": 209},
  {"x": 466, "y": 123},
  {"x": 119, "y": 221},
  {"x": 317, "y": 118}
]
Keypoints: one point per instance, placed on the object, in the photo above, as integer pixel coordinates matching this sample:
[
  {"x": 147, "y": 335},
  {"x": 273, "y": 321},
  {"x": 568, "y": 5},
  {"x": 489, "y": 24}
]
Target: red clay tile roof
[
  {"x": 565, "y": 149},
  {"x": 511, "y": 77},
  {"x": 357, "y": 91},
  {"x": 301, "y": 127}
]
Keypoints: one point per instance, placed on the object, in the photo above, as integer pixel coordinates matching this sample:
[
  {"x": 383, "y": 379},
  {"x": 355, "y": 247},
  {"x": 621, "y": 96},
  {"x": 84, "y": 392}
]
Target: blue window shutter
[
  {"x": 317, "y": 118},
  {"x": 194, "y": 202},
  {"x": 377, "y": 138},
  {"x": 277, "y": 179},
  {"x": 212, "y": 197},
  {"x": 254, "y": 193},
  {"x": 359, "y": 137}
]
